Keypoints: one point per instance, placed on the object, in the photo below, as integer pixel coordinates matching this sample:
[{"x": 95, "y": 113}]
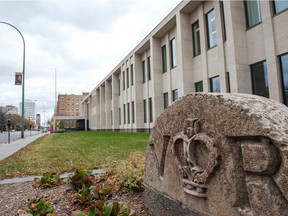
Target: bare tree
[{"x": 3, "y": 112}]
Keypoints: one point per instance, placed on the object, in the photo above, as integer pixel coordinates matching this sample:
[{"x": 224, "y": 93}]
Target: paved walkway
[{"x": 8, "y": 149}]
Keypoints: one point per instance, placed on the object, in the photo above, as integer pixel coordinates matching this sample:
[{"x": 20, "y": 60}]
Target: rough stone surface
[{"x": 219, "y": 154}]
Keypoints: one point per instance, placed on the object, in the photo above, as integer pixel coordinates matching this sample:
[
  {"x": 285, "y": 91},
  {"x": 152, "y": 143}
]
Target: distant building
[
  {"x": 69, "y": 105},
  {"x": 9, "y": 109},
  {"x": 38, "y": 121},
  {"x": 29, "y": 109}
]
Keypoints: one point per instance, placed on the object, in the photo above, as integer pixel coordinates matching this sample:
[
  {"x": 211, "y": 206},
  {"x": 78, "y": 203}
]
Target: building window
[
  {"x": 119, "y": 114},
  {"x": 111, "y": 113},
  {"x": 173, "y": 53},
  {"x": 132, "y": 75},
  {"x": 149, "y": 68},
  {"x": 260, "y": 79},
  {"x": 128, "y": 112},
  {"x": 174, "y": 94},
  {"x": 127, "y": 76},
  {"x": 253, "y": 13},
  {"x": 150, "y": 110},
  {"x": 119, "y": 92},
  {"x": 223, "y": 20},
  {"x": 124, "y": 113},
  {"x": 166, "y": 100},
  {"x": 145, "y": 111},
  {"x": 228, "y": 82},
  {"x": 111, "y": 92},
  {"x": 280, "y": 5},
  {"x": 199, "y": 86},
  {"x": 123, "y": 80},
  {"x": 143, "y": 72},
  {"x": 211, "y": 28},
  {"x": 133, "y": 112},
  {"x": 196, "y": 38},
  {"x": 215, "y": 84},
  {"x": 164, "y": 59},
  {"x": 284, "y": 72}
]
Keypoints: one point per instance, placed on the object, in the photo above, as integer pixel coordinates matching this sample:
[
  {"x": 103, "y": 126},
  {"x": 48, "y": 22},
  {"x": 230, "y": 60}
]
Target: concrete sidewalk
[{"x": 8, "y": 149}]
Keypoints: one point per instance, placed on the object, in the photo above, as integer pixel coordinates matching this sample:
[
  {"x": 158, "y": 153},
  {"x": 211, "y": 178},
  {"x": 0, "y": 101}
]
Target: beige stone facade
[{"x": 207, "y": 46}]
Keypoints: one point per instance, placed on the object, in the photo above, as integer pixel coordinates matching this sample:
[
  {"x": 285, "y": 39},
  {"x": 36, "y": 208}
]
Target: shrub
[
  {"x": 81, "y": 178},
  {"x": 47, "y": 180},
  {"x": 39, "y": 207},
  {"x": 130, "y": 173},
  {"x": 107, "y": 208}
]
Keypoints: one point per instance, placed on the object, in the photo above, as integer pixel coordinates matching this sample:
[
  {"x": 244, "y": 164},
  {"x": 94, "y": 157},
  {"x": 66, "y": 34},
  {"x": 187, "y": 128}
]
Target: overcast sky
[{"x": 82, "y": 40}]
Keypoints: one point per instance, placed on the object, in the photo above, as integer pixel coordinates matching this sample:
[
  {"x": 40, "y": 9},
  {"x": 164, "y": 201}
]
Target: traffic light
[{"x": 9, "y": 122}]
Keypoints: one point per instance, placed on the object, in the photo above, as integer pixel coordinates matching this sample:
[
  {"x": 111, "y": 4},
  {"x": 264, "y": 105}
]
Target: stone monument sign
[{"x": 219, "y": 155}]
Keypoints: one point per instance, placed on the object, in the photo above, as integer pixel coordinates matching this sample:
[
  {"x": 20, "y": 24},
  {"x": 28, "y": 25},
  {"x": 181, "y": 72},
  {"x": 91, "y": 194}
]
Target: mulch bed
[{"x": 13, "y": 197}]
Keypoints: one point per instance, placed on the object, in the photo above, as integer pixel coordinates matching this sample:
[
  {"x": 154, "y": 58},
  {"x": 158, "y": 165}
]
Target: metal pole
[
  {"x": 23, "y": 77},
  {"x": 8, "y": 125},
  {"x": 55, "y": 110},
  {"x": 8, "y": 134}
]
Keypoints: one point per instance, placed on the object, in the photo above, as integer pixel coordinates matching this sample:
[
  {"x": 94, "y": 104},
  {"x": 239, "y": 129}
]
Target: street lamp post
[{"x": 23, "y": 77}]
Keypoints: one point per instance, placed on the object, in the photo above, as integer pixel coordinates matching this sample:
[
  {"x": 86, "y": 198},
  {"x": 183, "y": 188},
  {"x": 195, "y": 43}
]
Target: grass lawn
[{"x": 64, "y": 152}]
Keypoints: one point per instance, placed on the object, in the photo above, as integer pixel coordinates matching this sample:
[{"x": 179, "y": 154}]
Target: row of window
[
  {"x": 69, "y": 114},
  {"x": 259, "y": 76},
  {"x": 253, "y": 10},
  {"x": 173, "y": 55},
  {"x": 260, "y": 87},
  {"x": 211, "y": 31},
  {"x": 214, "y": 84},
  {"x": 72, "y": 109},
  {"x": 77, "y": 104},
  {"x": 260, "y": 82},
  {"x": 166, "y": 97},
  {"x": 128, "y": 113},
  {"x": 253, "y": 17},
  {"x": 127, "y": 78},
  {"x": 68, "y": 98}
]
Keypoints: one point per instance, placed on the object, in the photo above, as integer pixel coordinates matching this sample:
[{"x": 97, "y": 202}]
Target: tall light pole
[{"x": 23, "y": 77}]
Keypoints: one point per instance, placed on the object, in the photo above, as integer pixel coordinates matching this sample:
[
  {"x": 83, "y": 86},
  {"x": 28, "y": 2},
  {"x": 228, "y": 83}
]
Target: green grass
[{"x": 64, "y": 152}]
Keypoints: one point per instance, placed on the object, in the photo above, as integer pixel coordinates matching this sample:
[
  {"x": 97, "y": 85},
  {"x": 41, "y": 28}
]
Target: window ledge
[
  {"x": 251, "y": 27},
  {"x": 210, "y": 48},
  {"x": 280, "y": 12}
]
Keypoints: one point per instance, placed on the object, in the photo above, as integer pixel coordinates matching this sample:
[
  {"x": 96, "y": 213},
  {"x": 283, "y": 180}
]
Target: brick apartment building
[{"x": 69, "y": 105}]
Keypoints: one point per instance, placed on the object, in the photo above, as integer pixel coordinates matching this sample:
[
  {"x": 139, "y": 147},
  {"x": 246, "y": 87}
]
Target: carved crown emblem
[{"x": 185, "y": 146}]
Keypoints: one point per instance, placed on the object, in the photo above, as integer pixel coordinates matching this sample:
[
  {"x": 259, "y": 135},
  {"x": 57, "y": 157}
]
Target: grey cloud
[{"x": 83, "y": 14}]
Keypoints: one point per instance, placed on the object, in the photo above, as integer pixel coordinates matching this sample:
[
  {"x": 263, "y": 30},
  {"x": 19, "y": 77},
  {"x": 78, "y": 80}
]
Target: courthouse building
[{"x": 201, "y": 46}]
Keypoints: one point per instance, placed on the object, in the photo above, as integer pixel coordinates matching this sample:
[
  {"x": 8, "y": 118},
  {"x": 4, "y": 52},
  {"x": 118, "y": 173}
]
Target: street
[{"x": 16, "y": 135}]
